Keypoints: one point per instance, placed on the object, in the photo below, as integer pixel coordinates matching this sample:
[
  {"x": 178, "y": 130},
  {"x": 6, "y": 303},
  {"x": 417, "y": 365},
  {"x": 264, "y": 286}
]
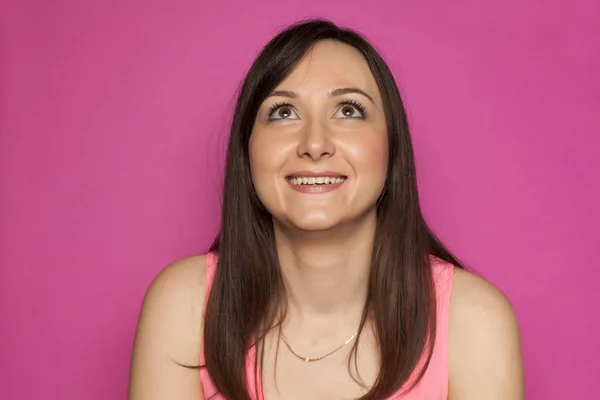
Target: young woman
[{"x": 325, "y": 281}]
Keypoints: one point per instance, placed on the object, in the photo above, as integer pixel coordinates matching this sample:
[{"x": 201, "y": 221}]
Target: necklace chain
[{"x": 308, "y": 359}]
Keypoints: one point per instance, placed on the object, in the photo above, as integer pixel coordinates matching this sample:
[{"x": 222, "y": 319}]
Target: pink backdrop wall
[{"x": 113, "y": 116}]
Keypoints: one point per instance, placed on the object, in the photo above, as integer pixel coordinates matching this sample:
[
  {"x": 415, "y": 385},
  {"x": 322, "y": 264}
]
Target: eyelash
[
  {"x": 276, "y": 106},
  {"x": 358, "y": 105}
]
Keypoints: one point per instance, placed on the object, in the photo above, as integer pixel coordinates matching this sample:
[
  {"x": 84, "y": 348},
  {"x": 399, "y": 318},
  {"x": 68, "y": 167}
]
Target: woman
[{"x": 325, "y": 281}]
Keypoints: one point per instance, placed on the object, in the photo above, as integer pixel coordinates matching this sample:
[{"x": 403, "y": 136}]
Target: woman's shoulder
[
  {"x": 470, "y": 292},
  {"x": 484, "y": 338},
  {"x": 180, "y": 281},
  {"x": 474, "y": 297},
  {"x": 478, "y": 307},
  {"x": 173, "y": 307}
]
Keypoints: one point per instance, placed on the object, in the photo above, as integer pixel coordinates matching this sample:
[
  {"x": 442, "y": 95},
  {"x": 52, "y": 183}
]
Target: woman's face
[{"x": 319, "y": 148}]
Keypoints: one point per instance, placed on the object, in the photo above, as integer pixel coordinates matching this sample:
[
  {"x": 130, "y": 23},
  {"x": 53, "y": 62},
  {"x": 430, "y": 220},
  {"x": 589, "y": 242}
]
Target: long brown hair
[{"x": 247, "y": 284}]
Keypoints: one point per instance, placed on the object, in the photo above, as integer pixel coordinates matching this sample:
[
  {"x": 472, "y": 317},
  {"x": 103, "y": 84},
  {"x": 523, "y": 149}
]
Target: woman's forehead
[{"x": 329, "y": 65}]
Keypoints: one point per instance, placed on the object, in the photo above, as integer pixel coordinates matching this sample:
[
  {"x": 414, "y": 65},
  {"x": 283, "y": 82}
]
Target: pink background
[{"x": 113, "y": 117}]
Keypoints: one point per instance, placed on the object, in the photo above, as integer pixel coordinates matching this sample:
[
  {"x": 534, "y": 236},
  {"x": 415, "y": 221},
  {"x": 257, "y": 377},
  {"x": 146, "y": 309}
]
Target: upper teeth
[{"x": 315, "y": 180}]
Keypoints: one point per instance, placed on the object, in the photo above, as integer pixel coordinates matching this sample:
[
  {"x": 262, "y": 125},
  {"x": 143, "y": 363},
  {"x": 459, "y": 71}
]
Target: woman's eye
[
  {"x": 350, "y": 111},
  {"x": 281, "y": 112}
]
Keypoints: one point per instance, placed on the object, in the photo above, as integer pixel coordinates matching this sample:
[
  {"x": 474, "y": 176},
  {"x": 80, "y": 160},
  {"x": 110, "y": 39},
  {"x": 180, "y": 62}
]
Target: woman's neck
[{"x": 326, "y": 273}]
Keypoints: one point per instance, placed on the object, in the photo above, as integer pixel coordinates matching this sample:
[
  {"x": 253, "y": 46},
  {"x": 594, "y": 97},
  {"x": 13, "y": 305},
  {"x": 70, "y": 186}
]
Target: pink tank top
[{"x": 433, "y": 385}]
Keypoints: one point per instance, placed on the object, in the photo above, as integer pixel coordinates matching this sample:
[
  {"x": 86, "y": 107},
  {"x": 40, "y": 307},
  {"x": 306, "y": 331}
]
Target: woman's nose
[{"x": 316, "y": 142}]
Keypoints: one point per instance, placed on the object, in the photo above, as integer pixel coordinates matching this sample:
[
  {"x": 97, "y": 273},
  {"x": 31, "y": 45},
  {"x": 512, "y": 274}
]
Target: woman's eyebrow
[
  {"x": 284, "y": 93},
  {"x": 342, "y": 91},
  {"x": 335, "y": 92}
]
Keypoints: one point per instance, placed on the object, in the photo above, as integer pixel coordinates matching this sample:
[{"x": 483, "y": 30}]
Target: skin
[{"x": 324, "y": 251}]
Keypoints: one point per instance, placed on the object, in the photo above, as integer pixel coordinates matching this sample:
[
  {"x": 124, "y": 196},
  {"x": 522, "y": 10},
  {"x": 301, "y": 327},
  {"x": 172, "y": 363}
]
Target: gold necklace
[{"x": 308, "y": 359}]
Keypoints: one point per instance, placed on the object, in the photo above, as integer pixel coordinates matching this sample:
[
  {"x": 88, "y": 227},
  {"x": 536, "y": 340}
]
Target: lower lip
[{"x": 316, "y": 189}]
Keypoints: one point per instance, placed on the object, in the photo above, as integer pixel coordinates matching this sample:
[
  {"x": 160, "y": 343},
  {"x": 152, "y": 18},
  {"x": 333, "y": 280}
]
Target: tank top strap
[
  {"x": 211, "y": 267},
  {"x": 434, "y": 384},
  {"x": 208, "y": 388},
  {"x": 443, "y": 276}
]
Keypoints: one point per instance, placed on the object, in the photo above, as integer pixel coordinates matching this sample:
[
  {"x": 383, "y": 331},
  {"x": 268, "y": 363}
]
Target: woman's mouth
[
  {"x": 315, "y": 180},
  {"x": 315, "y": 184}
]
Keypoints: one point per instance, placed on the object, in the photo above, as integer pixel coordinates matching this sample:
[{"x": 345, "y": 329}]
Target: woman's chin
[{"x": 314, "y": 223}]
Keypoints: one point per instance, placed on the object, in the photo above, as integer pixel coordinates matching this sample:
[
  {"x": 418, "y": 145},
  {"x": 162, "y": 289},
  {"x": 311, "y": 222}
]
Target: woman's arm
[
  {"x": 169, "y": 333},
  {"x": 485, "y": 349}
]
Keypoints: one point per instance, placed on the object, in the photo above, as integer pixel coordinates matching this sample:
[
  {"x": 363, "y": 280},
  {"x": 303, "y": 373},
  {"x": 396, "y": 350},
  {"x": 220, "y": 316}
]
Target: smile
[
  {"x": 315, "y": 184},
  {"x": 315, "y": 180}
]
